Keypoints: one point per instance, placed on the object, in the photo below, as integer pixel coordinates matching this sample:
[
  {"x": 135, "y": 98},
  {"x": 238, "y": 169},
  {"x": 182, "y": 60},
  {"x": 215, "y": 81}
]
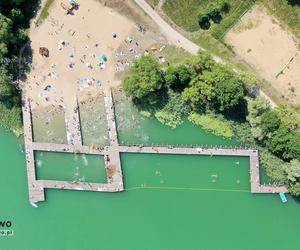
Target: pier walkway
[
  {"x": 72, "y": 121},
  {"x": 253, "y": 155},
  {"x": 111, "y": 156},
  {"x": 110, "y": 117},
  {"x": 36, "y": 192}
]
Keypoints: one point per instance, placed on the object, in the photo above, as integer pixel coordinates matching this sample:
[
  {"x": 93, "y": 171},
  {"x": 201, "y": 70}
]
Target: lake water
[{"x": 170, "y": 203}]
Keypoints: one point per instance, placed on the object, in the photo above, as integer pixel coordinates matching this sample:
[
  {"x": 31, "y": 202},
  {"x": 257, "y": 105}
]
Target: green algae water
[
  {"x": 70, "y": 167},
  {"x": 171, "y": 202}
]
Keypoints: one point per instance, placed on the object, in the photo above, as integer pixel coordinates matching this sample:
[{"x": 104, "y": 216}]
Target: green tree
[
  {"x": 255, "y": 110},
  {"x": 250, "y": 82},
  {"x": 225, "y": 6},
  {"x": 17, "y": 2},
  {"x": 200, "y": 93},
  {"x": 294, "y": 2},
  {"x": 257, "y": 107},
  {"x": 201, "y": 62},
  {"x": 218, "y": 88},
  {"x": 178, "y": 78},
  {"x": 204, "y": 20},
  {"x": 230, "y": 96},
  {"x": 289, "y": 118},
  {"x": 5, "y": 34},
  {"x": 228, "y": 89},
  {"x": 6, "y": 87},
  {"x": 293, "y": 146},
  {"x": 270, "y": 122},
  {"x": 17, "y": 15},
  {"x": 295, "y": 189},
  {"x": 292, "y": 170},
  {"x": 213, "y": 11},
  {"x": 14, "y": 21},
  {"x": 285, "y": 144},
  {"x": 144, "y": 79},
  {"x": 274, "y": 166}
]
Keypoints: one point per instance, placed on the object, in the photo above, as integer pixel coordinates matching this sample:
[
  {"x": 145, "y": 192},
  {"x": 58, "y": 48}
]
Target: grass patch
[
  {"x": 238, "y": 9},
  {"x": 200, "y": 37},
  {"x": 174, "y": 55},
  {"x": 185, "y": 15},
  {"x": 152, "y": 3},
  {"x": 45, "y": 12},
  {"x": 287, "y": 14}
]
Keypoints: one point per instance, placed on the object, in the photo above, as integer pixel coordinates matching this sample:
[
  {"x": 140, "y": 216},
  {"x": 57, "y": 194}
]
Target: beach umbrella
[{"x": 104, "y": 58}]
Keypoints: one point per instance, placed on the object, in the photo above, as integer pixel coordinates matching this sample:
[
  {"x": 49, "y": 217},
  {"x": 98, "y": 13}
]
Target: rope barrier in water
[{"x": 188, "y": 188}]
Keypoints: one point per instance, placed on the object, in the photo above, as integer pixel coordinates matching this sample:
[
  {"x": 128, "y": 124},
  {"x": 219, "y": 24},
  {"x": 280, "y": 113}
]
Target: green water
[
  {"x": 134, "y": 128},
  {"x": 70, "y": 167},
  {"x": 49, "y": 125},
  {"x": 171, "y": 203},
  {"x": 93, "y": 121}
]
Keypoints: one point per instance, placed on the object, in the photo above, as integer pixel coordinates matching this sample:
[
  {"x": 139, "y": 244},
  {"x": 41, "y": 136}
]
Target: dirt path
[
  {"x": 179, "y": 40},
  {"x": 172, "y": 35}
]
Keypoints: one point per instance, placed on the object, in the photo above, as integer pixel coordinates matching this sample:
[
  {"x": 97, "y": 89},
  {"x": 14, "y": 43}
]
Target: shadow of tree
[
  {"x": 205, "y": 24},
  {"x": 294, "y": 2}
]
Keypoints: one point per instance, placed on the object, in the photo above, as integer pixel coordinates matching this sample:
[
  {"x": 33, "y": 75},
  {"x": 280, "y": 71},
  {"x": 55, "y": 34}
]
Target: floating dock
[{"x": 112, "y": 153}]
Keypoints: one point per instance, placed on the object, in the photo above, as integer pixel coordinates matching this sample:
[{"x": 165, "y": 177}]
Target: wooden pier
[
  {"x": 112, "y": 153},
  {"x": 72, "y": 121},
  {"x": 253, "y": 155}
]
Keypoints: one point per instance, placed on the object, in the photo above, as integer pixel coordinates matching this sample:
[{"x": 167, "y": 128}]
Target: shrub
[
  {"x": 213, "y": 12},
  {"x": 213, "y": 124}
]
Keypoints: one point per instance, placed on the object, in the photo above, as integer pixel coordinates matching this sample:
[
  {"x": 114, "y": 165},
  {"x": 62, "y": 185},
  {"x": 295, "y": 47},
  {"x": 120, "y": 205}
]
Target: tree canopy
[
  {"x": 270, "y": 122},
  {"x": 213, "y": 11},
  {"x": 285, "y": 144},
  {"x": 218, "y": 88},
  {"x": 14, "y": 20},
  {"x": 5, "y": 35},
  {"x": 178, "y": 78},
  {"x": 144, "y": 79},
  {"x": 230, "y": 96},
  {"x": 199, "y": 94}
]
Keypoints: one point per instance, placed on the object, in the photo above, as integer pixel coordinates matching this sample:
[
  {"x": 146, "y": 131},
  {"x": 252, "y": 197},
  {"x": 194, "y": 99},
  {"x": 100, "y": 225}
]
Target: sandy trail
[{"x": 272, "y": 51}]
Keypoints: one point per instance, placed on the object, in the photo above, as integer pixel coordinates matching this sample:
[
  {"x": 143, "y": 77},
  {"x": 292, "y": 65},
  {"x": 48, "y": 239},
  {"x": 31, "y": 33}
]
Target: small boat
[
  {"x": 283, "y": 197},
  {"x": 34, "y": 204}
]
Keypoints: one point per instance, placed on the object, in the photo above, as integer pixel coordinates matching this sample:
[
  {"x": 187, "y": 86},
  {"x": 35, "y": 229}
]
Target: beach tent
[{"x": 104, "y": 58}]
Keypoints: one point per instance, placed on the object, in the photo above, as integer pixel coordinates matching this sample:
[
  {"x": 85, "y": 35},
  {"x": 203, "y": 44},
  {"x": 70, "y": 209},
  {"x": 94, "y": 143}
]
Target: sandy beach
[
  {"x": 77, "y": 45},
  {"x": 89, "y": 50}
]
